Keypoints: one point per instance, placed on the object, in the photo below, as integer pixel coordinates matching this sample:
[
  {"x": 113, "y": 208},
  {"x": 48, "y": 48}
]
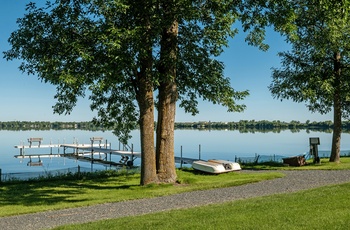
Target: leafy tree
[
  {"x": 123, "y": 52},
  {"x": 316, "y": 70},
  {"x": 103, "y": 46}
]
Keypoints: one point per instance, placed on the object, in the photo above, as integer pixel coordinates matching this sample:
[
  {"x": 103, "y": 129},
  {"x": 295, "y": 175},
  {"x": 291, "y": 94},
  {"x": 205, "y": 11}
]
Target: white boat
[
  {"x": 216, "y": 166},
  {"x": 229, "y": 165}
]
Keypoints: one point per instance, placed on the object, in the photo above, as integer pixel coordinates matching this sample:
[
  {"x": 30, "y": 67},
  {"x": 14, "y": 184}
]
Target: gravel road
[{"x": 292, "y": 182}]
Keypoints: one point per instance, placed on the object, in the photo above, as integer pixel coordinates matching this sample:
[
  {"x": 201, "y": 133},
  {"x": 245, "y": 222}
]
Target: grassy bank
[
  {"x": 89, "y": 189},
  {"x": 324, "y": 165},
  {"x": 321, "y": 208}
]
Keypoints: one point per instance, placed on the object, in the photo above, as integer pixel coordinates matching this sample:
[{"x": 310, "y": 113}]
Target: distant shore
[{"x": 242, "y": 125}]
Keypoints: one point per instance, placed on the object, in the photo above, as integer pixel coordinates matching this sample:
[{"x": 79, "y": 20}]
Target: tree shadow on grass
[
  {"x": 197, "y": 172},
  {"x": 51, "y": 192}
]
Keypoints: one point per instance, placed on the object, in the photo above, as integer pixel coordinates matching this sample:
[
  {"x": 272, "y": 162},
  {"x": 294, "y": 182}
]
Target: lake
[{"x": 223, "y": 144}]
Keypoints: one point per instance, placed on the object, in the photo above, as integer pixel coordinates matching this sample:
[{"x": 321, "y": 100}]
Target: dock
[
  {"x": 92, "y": 152},
  {"x": 185, "y": 160},
  {"x": 83, "y": 152}
]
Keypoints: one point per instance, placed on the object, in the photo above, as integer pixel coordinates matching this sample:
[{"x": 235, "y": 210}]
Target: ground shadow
[{"x": 55, "y": 191}]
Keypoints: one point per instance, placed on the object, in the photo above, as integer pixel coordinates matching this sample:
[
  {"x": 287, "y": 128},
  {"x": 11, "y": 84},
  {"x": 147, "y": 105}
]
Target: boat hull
[
  {"x": 229, "y": 165},
  {"x": 216, "y": 166}
]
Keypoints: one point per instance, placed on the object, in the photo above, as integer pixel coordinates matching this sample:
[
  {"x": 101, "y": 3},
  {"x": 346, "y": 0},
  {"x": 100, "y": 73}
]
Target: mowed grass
[
  {"x": 67, "y": 192},
  {"x": 324, "y": 165},
  {"x": 321, "y": 208}
]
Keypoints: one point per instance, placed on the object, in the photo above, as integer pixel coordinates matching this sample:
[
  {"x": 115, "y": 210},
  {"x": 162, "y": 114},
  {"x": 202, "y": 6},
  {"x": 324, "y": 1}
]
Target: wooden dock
[
  {"x": 93, "y": 152},
  {"x": 99, "y": 149},
  {"x": 184, "y": 160},
  {"x": 84, "y": 152}
]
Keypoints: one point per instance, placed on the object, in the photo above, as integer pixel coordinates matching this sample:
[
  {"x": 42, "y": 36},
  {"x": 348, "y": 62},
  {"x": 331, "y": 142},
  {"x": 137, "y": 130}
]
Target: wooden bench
[
  {"x": 93, "y": 139},
  {"x": 35, "y": 139}
]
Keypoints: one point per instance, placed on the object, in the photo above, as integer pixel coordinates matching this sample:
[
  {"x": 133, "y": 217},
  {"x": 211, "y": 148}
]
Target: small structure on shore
[{"x": 294, "y": 161}]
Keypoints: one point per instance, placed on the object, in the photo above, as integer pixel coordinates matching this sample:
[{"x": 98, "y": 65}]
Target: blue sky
[{"x": 27, "y": 98}]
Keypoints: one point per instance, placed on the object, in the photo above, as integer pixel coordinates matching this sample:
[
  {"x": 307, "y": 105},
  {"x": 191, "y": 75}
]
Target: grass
[
  {"x": 89, "y": 189},
  {"x": 321, "y": 208},
  {"x": 324, "y": 165}
]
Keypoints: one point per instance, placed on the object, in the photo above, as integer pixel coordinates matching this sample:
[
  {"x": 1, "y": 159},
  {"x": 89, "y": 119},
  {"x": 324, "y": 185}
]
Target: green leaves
[
  {"x": 310, "y": 71},
  {"x": 102, "y": 48},
  {"x": 201, "y": 39}
]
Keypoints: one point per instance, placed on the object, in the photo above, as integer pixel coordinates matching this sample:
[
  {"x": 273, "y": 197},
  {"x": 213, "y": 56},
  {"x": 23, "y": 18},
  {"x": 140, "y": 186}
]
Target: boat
[{"x": 216, "y": 166}]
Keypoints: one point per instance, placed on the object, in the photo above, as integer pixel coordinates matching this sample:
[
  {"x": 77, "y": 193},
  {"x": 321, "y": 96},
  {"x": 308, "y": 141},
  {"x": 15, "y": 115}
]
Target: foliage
[
  {"x": 122, "y": 52},
  {"x": 307, "y": 73},
  {"x": 46, "y": 125},
  {"x": 96, "y": 46},
  {"x": 316, "y": 70},
  {"x": 234, "y": 125}
]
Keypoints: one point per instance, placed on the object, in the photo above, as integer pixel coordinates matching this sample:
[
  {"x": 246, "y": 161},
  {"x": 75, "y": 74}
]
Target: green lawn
[
  {"x": 324, "y": 165},
  {"x": 321, "y": 208},
  {"x": 67, "y": 192}
]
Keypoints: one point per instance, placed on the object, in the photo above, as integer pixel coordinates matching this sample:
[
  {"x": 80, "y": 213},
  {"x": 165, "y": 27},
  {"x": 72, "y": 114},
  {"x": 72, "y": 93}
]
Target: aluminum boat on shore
[{"x": 216, "y": 166}]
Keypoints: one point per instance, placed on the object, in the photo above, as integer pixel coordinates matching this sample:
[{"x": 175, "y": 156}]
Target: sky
[{"x": 27, "y": 98}]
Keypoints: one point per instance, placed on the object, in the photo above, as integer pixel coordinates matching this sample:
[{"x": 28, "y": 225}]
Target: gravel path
[{"x": 292, "y": 182}]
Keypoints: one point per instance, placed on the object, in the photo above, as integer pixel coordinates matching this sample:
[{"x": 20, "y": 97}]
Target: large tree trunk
[
  {"x": 165, "y": 161},
  {"x": 335, "y": 153},
  {"x": 148, "y": 157},
  {"x": 165, "y": 133},
  {"x": 144, "y": 95}
]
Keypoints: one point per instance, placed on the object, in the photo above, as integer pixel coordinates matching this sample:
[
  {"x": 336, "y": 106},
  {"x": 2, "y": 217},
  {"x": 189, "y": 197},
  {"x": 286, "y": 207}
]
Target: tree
[
  {"x": 316, "y": 70},
  {"x": 167, "y": 89},
  {"x": 122, "y": 53},
  {"x": 105, "y": 47}
]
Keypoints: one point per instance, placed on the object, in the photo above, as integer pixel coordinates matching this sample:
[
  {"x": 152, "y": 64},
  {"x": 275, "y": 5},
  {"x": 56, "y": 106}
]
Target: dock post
[
  {"x": 132, "y": 154},
  {"x": 21, "y": 150},
  {"x": 0, "y": 175},
  {"x": 199, "y": 152},
  {"x": 181, "y": 157}
]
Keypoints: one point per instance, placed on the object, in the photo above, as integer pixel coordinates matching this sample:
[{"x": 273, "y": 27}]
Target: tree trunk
[
  {"x": 165, "y": 161},
  {"x": 165, "y": 133},
  {"x": 144, "y": 95},
  {"x": 335, "y": 153},
  {"x": 148, "y": 158}
]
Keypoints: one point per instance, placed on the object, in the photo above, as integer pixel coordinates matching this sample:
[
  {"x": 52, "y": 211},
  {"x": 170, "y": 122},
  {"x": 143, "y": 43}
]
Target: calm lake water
[{"x": 213, "y": 144}]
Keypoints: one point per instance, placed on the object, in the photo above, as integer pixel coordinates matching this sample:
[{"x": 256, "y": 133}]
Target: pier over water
[{"x": 92, "y": 152}]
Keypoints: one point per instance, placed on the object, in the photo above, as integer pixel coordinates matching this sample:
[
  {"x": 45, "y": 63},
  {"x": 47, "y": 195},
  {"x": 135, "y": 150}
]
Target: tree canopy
[
  {"x": 121, "y": 53},
  {"x": 81, "y": 45},
  {"x": 316, "y": 69}
]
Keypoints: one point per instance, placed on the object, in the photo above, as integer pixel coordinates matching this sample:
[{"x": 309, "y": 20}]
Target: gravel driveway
[{"x": 292, "y": 182}]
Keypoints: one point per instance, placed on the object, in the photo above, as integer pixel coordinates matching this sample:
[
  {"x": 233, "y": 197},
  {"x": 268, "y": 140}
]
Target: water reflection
[{"x": 210, "y": 143}]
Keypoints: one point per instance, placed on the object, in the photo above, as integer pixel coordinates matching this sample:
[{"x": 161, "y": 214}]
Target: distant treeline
[
  {"x": 263, "y": 125},
  {"x": 46, "y": 125},
  {"x": 242, "y": 125}
]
